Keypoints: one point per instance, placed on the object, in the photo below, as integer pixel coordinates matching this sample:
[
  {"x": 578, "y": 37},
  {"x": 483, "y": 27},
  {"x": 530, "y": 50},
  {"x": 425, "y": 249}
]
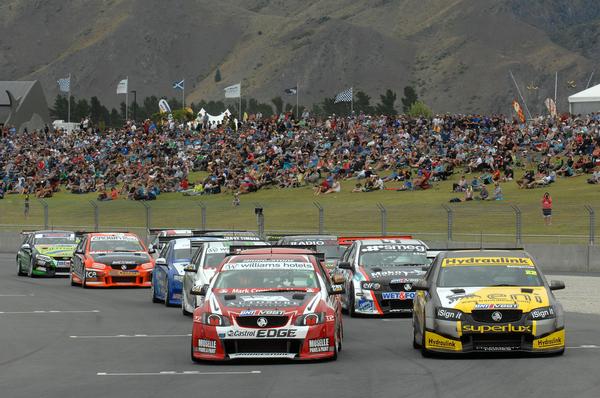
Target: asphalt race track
[{"x": 63, "y": 341}]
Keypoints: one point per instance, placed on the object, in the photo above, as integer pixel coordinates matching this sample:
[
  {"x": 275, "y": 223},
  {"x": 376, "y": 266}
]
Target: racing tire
[
  {"x": 83, "y": 280},
  {"x": 416, "y": 345},
  {"x": 30, "y": 270},
  {"x": 351, "y": 303},
  {"x": 167, "y": 302},
  {"x": 20, "y": 270},
  {"x": 153, "y": 293},
  {"x": 71, "y": 279}
]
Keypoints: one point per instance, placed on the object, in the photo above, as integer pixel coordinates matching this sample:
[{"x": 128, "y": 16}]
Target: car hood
[
  {"x": 56, "y": 250},
  {"x": 387, "y": 274},
  {"x": 121, "y": 258},
  {"x": 502, "y": 297},
  {"x": 236, "y": 300},
  {"x": 179, "y": 266}
]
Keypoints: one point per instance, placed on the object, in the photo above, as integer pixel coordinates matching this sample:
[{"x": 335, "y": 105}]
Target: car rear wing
[
  {"x": 456, "y": 249},
  {"x": 199, "y": 243},
  {"x": 348, "y": 240},
  {"x": 237, "y": 249}
]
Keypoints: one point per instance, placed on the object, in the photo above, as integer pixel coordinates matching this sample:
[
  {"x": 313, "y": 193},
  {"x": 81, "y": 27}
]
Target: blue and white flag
[
  {"x": 64, "y": 84},
  {"x": 344, "y": 96},
  {"x": 178, "y": 85}
]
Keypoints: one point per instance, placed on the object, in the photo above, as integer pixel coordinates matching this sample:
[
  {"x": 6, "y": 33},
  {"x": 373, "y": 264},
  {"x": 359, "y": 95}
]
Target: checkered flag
[
  {"x": 344, "y": 96},
  {"x": 64, "y": 84}
]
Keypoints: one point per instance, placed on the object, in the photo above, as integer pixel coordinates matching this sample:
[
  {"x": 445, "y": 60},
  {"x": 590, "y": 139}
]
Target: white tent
[
  {"x": 586, "y": 101},
  {"x": 213, "y": 121}
]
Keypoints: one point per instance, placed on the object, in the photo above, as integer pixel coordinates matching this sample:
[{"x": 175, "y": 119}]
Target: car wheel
[
  {"x": 83, "y": 280},
  {"x": 195, "y": 360},
  {"x": 71, "y": 279},
  {"x": 167, "y": 302},
  {"x": 416, "y": 345},
  {"x": 351, "y": 306},
  {"x": 183, "y": 310},
  {"x": 19, "y": 269},
  {"x": 153, "y": 292}
]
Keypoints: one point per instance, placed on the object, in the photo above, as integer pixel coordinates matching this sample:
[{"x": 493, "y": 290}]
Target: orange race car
[{"x": 111, "y": 259}]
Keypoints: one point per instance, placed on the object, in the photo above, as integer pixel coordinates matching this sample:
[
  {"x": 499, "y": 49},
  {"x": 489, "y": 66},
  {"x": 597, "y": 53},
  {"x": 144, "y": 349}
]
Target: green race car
[{"x": 46, "y": 253}]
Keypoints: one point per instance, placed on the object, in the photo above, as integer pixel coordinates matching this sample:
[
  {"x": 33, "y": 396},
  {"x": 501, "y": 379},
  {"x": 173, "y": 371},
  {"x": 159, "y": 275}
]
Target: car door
[
  {"x": 189, "y": 277},
  {"x": 24, "y": 255},
  {"x": 78, "y": 266},
  {"x": 423, "y": 297},
  {"x": 161, "y": 271}
]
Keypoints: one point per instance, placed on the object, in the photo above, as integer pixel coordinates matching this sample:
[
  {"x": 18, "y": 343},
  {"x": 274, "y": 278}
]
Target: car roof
[
  {"x": 391, "y": 241},
  {"x": 278, "y": 251},
  {"x": 50, "y": 231},
  {"x": 111, "y": 234},
  {"x": 484, "y": 253},
  {"x": 305, "y": 237}
]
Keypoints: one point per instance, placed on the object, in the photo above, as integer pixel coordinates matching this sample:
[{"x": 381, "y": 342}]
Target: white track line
[
  {"x": 16, "y": 295},
  {"x": 131, "y": 336},
  {"x": 47, "y": 312},
  {"x": 588, "y": 346},
  {"x": 175, "y": 373}
]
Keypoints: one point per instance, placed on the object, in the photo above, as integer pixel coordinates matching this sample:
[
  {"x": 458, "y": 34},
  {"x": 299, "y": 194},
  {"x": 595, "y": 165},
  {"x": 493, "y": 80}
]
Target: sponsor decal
[
  {"x": 124, "y": 273},
  {"x": 329, "y": 318},
  {"x": 91, "y": 274},
  {"x": 435, "y": 341},
  {"x": 261, "y": 312},
  {"x": 457, "y": 261},
  {"x": 262, "y": 322},
  {"x": 207, "y": 346},
  {"x": 124, "y": 263},
  {"x": 460, "y": 296},
  {"x": 270, "y": 299},
  {"x": 309, "y": 243},
  {"x": 495, "y": 348},
  {"x": 496, "y": 316},
  {"x": 318, "y": 345},
  {"x": 218, "y": 249},
  {"x": 381, "y": 274},
  {"x": 337, "y": 288},
  {"x": 241, "y": 333},
  {"x": 496, "y": 306},
  {"x": 398, "y": 295},
  {"x": 448, "y": 314},
  {"x": 395, "y": 247},
  {"x": 407, "y": 286},
  {"x": 267, "y": 264},
  {"x": 55, "y": 235},
  {"x": 114, "y": 237},
  {"x": 508, "y": 328},
  {"x": 371, "y": 285},
  {"x": 275, "y": 333},
  {"x": 530, "y": 272},
  {"x": 540, "y": 313},
  {"x": 552, "y": 341},
  {"x": 365, "y": 305}
]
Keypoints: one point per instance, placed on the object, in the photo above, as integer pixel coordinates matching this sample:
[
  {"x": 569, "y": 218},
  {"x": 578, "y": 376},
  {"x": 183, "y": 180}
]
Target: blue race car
[{"x": 168, "y": 272}]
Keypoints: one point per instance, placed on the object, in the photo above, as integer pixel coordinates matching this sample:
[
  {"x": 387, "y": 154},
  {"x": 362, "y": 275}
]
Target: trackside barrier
[
  {"x": 383, "y": 212},
  {"x": 321, "y": 217}
]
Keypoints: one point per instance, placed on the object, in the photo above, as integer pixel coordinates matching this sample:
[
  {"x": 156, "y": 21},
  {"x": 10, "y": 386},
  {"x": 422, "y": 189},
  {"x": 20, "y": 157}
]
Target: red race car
[
  {"x": 111, "y": 259},
  {"x": 268, "y": 303}
]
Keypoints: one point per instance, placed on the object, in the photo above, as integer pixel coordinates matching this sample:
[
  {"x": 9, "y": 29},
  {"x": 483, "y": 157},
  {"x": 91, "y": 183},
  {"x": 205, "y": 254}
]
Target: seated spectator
[
  {"x": 476, "y": 184},
  {"x": 483, "y": 193},
  {"x": 498, "y": 195},
  {"x": 461, "y": 186},
  {"x": 595, "y": 178}
]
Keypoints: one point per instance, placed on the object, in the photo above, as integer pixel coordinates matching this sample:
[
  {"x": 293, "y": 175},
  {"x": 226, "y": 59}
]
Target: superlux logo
[{"x": 509, "y": 328}]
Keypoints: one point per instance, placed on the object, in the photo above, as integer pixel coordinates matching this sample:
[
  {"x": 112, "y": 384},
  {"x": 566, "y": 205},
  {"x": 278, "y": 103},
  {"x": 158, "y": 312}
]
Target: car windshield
[
  {"x": 391, "y": 259},
  {"x": 183, "y": 253},
  {"x": 488, "y": 275},
  {"x": 266, "y": 279},
  {"x": 55, "y": 240},
  {"x": 116, "y": 245},
  {"x": 212, "y": 260},
  {"x": 331, "y": 251}
]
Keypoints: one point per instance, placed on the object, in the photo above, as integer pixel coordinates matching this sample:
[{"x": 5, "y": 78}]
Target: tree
[
  {"x": 329, "y": 107},
  {"x": 362, "y": 103},
  {"x": 218, "y": 75},
  {"x": 115, "y": 119},
  {"x": 149, "y": 107},
  {"x": 410, "y": 97},
  {"x": 60, "y": 109},
  {"x": 96, "y": 110},
  {"x": 82, "y": 110},
  {"x": 278, "y": 102},
  {"x": 386, "y": 106},
  {"x": 419, "y": 109}
]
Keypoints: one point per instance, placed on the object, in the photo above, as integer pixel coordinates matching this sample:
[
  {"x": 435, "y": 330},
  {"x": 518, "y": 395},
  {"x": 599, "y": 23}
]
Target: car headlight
[
  {"x": 542, "y": 313},
  {"x": 147, "y": 266},
  {"x": 448, "y": 314},
  {"x": 310, "y": 319},
  {"x": 370, "y": 286},
  {"x": 42, "y": 259},
  {"x": 214, "y": 320},
  {"x": 98, "y": 266},
  {"x": 178, "y": 278}
]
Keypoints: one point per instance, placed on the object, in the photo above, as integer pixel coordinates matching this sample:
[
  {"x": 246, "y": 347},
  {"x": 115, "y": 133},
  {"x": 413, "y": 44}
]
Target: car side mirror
[
  {"x": 337, "y": 289},
  {"x": 161, "y": 261},
  {"x": 26, "y": 247},
  {"x": 344, "y": 265},
  {"x": 425, "y": 267},
  {"x": 189, "y": 268},
  {"x": 151, "y": 249},
  {"x": 338, "y": 279},
  {"x": 557, "y": 285},
  {"x": 199, "y": 290},
  {"x": 79, "y": 251},
  {"x": 421, "y": 284}
]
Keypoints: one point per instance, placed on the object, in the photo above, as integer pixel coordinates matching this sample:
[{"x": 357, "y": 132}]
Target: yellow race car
[{"x": 487, "y": 301}]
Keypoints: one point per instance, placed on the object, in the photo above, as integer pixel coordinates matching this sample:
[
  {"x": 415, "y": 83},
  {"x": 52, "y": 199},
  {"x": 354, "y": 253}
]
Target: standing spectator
[
  {"x": 26, "y": 209},
  {"x": 547, "y": 208}
]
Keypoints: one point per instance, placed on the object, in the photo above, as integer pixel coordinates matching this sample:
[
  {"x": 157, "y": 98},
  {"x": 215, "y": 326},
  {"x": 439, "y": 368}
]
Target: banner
[
  {"x": 164, "y": 107},
  {"x": 122, "y": 86},
  {"x": 551, "y": 106},
  {"x": 234, "y": 91},
  {"x": 519, "y": 111}
]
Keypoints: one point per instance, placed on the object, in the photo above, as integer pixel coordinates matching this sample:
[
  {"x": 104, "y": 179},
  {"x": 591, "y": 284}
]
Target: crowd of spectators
[{"x": 142, "y": 161}]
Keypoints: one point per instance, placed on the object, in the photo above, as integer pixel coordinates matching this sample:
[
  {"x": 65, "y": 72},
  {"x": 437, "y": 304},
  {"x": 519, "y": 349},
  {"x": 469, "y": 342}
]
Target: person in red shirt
[{"x": 547, "y": 208}]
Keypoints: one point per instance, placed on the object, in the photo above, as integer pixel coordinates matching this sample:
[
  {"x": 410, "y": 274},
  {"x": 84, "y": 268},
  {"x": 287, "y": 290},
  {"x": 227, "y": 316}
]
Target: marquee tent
[
  {"x": 586, "y": 101},
  {"x": 23, "y": 105}
]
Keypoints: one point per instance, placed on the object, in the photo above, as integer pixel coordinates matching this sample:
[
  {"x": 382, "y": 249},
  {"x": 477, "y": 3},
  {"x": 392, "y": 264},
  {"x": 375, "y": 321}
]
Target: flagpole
[
  {"x": 69, "y": 104},
  {"x": 520, "y": 95},
  {"x": 183, "y": 94},
  {"x": 127, "y": 100},
  {"x": 297, "y": 93},
  {"x": 240, "y": 119},
  {"x": 351, "y": 101}
]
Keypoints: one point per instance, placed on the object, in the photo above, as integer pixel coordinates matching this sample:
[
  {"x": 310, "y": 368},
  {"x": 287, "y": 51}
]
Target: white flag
[
  {"x": 122, "y": 87},
  {"x": 234, "y": 91}
]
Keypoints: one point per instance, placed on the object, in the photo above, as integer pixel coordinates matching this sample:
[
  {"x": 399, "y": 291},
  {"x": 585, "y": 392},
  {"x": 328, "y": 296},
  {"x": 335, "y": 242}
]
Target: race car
[
  {"x": 111, "y": 259},
  {"x": 380, "y": 273},
  {"x": 162, "y": 237},
  {"x": 268, "y": 303},
  {"x": 326, "y": 244},
  {"x": 46, "y": 253},
  {"x": 487, "y": 301},
  {"x": 204, "y": 263},
  {"x": 167, "y": 277}
]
